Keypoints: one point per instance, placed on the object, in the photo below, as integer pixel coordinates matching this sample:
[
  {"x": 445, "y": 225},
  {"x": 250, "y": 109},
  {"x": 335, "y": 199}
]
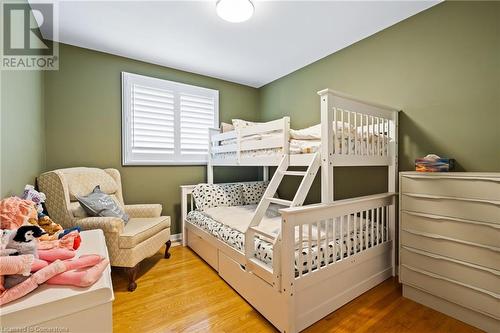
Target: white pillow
[
  {"x": 314, "y": 132},
  {"x": 310, "y": 133},
  {"x": 240, "y": 123},
  {"x": 225, "y": 127}
]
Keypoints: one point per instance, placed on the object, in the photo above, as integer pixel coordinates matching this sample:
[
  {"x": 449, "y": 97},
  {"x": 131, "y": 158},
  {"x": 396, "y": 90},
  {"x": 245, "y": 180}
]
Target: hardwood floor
[{"x": 183, "y": 294}]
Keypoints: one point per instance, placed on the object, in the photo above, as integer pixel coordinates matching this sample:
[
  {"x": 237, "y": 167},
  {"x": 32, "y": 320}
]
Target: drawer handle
[
  {"x": 488, "y": 179},
  {"x": 447, "y": 218},
  {"x": 243, "y": 268},
  {"x": 436, "y": 256},
  {"x": 440, "y": 277},
  {"x": 439, "y": 197},
  {"x": 429, "y": 235}
]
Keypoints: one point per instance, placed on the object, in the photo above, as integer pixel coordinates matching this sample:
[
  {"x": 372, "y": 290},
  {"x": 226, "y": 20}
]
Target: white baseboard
[{"x": 176, "y": 239}]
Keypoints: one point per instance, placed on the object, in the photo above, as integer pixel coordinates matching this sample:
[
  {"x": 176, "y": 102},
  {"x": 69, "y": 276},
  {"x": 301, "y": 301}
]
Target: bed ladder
[{"x": 268, "y": 198}]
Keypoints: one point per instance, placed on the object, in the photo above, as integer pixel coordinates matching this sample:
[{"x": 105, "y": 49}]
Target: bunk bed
[{"x": 295, "y": 264}]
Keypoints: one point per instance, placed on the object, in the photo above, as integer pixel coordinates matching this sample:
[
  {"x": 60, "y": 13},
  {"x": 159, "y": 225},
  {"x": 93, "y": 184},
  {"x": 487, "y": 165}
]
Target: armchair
[{"x": 128, "y": 244}]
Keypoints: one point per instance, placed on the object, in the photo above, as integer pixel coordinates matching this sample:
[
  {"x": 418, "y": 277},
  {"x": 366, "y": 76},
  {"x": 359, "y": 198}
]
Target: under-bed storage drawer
[
  {"x": 469, "y": 209},
  {"x": 473, "y": 254},
  {"x": 472, "y": 298},
  {"x": 206, "y": 251},
  {"x": 470, "y": 231},
  {"x": 469, "y": 274},
  {"x": 486, "y": 188},
  {"x": 256, "y": 291}
]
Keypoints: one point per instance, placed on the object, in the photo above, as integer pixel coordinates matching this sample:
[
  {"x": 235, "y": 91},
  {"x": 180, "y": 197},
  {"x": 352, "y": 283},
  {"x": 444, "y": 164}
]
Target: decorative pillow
[
  {"x": 225, "y": 127},
  {"x": 101, "y": 204},
  {"x": 253, "y": 192},
  {"x": 239, "y": 123},
  {"x": 217, "y": 195}
]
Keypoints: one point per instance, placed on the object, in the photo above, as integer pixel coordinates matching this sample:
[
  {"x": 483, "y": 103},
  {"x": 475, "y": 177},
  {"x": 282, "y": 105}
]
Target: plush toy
[
  {"x": 50, "y": 227},
  {"x": 24, "y": 239},
  {"x": 33, "y": 195},
  {"x": 14, "y": 212},
  {"x": 53, "y": 266},
  {"x": 81, "y": 272}
]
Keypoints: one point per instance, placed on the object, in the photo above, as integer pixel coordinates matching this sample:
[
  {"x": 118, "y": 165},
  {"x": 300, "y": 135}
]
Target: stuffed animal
[
  {"x": 24, "y": 239},
  {"x": 48, "y": 225},
  {"x": 81, "y": 272},
  {"x": 4, "y": 240},
  {"x": 29, "y": 267},
  {"x": 52, "y": 229},
  {"x": 14, "y": 212},
  {"x": 33, "y": 195}
]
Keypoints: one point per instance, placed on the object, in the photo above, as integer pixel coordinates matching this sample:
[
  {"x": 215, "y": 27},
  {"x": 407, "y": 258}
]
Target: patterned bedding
[
  {"x": 357, "y": 145},
  {"x": 263, "y": 248}
]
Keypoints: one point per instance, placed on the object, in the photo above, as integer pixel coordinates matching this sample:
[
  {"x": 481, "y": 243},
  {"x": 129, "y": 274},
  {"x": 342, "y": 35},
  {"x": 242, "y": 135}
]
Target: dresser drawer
[
  {"x": 487, "y": 303},
  {"x": 206, "y": 251},
  {"x": 470, "y": 231},
  {"x": 435, "y": 244},
  {"x": 469, "y": 274},
  {"x": 487, "y": 188},
  {"x": 469, "y": 209}
]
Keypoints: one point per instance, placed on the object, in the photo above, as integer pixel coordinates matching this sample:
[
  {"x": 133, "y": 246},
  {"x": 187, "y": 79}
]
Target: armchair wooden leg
[
  {"x": 167, "y": 248},
  {"x": 132, "y": 274}
]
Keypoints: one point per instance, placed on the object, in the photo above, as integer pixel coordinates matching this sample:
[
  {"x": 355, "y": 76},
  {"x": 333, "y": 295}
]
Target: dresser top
[{"x": 450, "y": 174}]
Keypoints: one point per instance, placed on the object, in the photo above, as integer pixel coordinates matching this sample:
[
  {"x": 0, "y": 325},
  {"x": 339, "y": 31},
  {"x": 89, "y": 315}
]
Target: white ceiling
[{"x": 280, "y": 38}]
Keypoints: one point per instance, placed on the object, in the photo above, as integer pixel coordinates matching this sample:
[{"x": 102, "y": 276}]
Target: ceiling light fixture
[{"x": 234, "y": 11}]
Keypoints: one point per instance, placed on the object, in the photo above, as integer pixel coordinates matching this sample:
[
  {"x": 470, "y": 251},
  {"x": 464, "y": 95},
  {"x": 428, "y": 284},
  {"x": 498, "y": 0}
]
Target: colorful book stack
[{"x": 434, "y": 165}]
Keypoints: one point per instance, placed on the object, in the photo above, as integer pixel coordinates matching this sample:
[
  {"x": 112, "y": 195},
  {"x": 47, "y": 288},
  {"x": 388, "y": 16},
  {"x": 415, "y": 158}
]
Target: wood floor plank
[{"x": 183, "y": 294}]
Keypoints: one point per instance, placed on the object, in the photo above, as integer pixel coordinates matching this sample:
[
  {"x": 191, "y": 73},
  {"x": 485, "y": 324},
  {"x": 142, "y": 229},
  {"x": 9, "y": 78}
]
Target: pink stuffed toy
[
  {"x": 55, "y": 265},
  {"x": 81, "y": 272},
  {"x": 32, "y": 282}
]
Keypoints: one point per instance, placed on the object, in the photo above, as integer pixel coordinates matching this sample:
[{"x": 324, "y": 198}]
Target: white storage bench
[{"x": 64, "y": 308}]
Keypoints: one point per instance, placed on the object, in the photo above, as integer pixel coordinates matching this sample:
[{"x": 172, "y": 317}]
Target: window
[{"x": 165, "y": 122}]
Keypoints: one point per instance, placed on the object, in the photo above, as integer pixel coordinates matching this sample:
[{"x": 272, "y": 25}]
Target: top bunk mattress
[{"x": 308, "y": 140}]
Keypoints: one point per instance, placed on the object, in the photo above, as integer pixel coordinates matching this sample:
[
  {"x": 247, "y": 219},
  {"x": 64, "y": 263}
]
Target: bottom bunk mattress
[{"x": 228, "y": 224}]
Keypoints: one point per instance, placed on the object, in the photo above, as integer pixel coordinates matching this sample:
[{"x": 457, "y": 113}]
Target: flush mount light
[{"x": 234, "y": 11}]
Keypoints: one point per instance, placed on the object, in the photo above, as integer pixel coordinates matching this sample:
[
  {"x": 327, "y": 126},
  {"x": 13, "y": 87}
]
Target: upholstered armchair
[{"x": 128, "y": 243}]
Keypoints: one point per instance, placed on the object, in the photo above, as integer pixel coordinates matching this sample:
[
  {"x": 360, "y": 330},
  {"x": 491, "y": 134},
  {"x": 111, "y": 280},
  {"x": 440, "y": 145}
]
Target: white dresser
[{"x": 449, "y": 244}]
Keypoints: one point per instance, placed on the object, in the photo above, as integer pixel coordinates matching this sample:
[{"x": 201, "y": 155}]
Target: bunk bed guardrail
[{"x": 316, "y": 237}]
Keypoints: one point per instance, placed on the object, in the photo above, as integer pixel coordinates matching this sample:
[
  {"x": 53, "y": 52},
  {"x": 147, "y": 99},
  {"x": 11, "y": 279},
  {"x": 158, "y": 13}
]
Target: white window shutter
[
  {"x": 197, "y": 116},
  {"x": 166, "y": 122},
  {"x": 152, "y": 120}
]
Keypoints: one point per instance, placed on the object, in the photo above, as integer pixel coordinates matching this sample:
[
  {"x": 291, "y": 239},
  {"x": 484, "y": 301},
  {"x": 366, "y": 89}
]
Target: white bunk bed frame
[{"x": 293, "y": 299}]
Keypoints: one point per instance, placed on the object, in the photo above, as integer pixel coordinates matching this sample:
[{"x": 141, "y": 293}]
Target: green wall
[
  {"x": 83, "y": 124},
  {"x": 22, "y": 148},
  {"x": 22, "y": 128},
  {"x": 441, "y": 67}
]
